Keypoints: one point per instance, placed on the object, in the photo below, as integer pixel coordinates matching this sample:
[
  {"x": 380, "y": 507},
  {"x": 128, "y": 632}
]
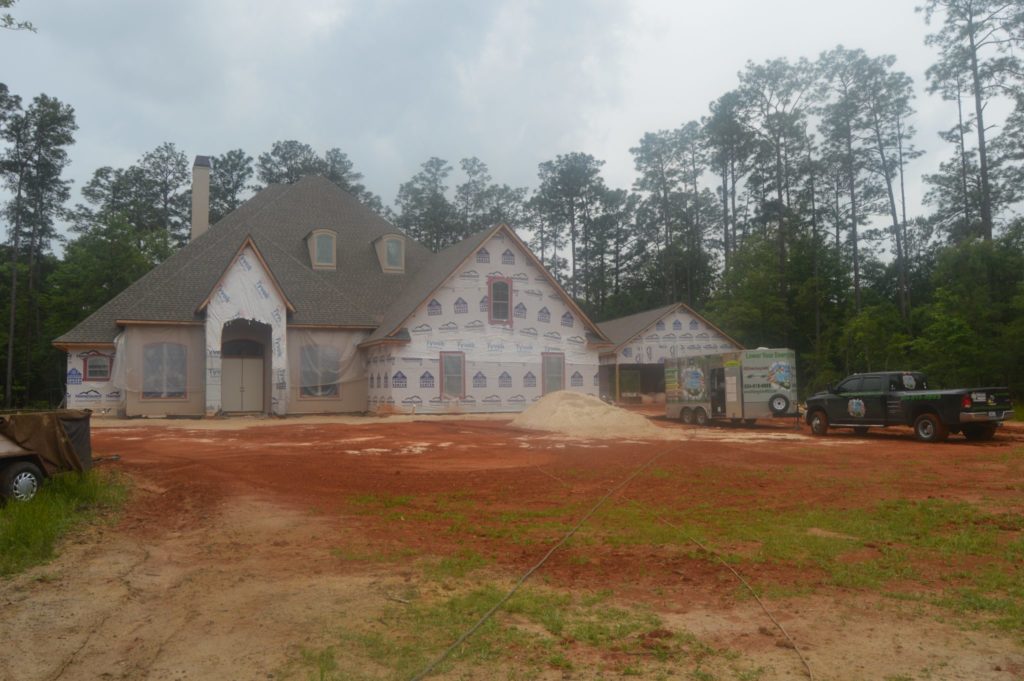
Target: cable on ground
[
  {"x": 743, "y": 581},
  {"x": 522, "y": 580}
]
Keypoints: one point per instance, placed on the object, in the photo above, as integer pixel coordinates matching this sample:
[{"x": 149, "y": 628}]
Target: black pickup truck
[{"x": 892, "y": 398}]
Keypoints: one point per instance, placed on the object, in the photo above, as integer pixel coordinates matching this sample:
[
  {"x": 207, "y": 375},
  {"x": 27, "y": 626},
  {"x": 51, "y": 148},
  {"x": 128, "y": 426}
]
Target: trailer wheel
[
  {"x": 20, "y": 481},
  {"x": 700, "y": 417},
  {"x": 686, "y": 415},
  {"x": 779, "y": 404},
  {"x": 819, "y": 422},
  {"x": 979, "y": 433},
  {"x": 928, "y": 428}
]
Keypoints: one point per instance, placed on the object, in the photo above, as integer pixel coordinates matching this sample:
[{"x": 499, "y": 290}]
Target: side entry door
[
  {"x": 839, "y": 402},
  {"x": 873, "y": 393}
]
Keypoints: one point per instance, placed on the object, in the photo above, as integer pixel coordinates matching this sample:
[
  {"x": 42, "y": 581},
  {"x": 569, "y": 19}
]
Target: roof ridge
[{"x": 221, "y": 235}]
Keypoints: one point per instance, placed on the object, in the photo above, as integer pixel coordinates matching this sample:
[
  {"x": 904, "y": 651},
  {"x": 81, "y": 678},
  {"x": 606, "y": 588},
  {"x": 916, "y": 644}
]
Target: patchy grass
[
  {"x": 976, "y": 558},
  {"x": 456, "y": 566},
  {"x": 30, "y": 532},
  {"x": 351, "y": 554},
  {"x": 537, "y": 630},
  {"x": 970, "y": 560}
]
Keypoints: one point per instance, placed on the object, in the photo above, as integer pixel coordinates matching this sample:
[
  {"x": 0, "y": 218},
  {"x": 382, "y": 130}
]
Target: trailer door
[{"x": 733, "y": 390}]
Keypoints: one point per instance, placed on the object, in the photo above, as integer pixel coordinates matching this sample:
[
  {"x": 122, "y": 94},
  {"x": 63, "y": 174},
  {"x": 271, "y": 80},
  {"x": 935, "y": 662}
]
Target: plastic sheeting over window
[
  {"x": 158, "y": 368},
  {"x": 164, "y": 371},
  {"x": 320, "y": 373},
  {"x": 324, "y": 360}
]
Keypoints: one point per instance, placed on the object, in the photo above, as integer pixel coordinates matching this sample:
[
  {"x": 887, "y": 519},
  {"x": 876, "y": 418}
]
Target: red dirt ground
[
  {"x": 324, "y": 467},
  {"x": 245, "y": 542}
]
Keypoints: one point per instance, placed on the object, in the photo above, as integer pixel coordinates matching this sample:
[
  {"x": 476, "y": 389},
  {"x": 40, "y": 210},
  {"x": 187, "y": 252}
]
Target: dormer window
[
  {"x": 323, "y": 249},
  {"x": 391, "y": 253}
]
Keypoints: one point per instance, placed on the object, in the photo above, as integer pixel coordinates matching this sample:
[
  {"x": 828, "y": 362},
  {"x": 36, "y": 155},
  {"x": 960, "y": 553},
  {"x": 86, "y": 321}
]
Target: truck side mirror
[{"x": 830, "y": 388}]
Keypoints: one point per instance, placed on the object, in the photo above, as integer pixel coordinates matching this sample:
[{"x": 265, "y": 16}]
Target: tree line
[{"x": 781, "y": 214}]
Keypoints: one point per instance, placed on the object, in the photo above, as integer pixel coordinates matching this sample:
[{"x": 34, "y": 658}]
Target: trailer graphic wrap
[
  {"x": 502, "y": 360},
  {"x": 749, "y": 384}
]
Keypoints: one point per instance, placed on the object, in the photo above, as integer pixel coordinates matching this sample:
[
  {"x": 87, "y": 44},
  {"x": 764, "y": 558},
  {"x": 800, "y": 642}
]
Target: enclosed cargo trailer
[{"x": 738, "y": 386}]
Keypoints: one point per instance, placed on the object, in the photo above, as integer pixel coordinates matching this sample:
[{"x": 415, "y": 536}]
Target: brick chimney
[{"x": 200, "y": 196}]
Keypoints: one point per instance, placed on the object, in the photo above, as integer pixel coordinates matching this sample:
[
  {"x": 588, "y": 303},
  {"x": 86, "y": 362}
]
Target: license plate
[{"x": 992, "y": 414}]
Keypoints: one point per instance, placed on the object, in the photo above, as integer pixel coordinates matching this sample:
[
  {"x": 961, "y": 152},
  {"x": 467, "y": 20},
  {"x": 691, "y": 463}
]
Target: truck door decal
[{"x": 855, "y": 408}]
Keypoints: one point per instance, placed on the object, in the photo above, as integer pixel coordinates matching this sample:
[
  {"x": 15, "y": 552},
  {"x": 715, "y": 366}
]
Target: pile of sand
[{"x": 580, "y": 415}]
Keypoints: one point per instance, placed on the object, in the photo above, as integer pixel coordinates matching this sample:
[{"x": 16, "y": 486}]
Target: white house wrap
[
  {"x": 247, "y": 292},
  {"x": 503, "y": 361}
]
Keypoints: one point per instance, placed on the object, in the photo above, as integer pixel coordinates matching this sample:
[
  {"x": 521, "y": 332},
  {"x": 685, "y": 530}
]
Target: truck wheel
[
  {"x": 979, "y": 433},
  {"x": 686, "y": 415},
  {"x": 819, "y": 422},
  {"x": 779, "y": 404},
  {"x": 700, "y": 417},
  {"x": 928, "y": 428},
  {"x": 20, "y": 481}
]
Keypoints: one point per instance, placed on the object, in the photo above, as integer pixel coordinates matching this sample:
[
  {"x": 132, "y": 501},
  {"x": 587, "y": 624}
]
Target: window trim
[
  {"x": 314, "y": 237},
  {"x": 336, "y": 395},
  {"x": 491, "y": 281},
  {"x": 441, "y": 381},
  {"x": 182, "y": 398},
  {"x": 544, "y": 371},
  {"x": 85, "y": 367}
]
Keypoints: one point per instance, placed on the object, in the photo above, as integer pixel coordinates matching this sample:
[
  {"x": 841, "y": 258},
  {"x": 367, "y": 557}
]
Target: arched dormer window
[
  {"x": 391, "y": 253},
  {"x": 323, "y": 249}
]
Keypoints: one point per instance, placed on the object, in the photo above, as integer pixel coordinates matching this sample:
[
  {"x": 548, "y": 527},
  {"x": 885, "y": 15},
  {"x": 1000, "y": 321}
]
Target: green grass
[
  {"x": 31, "y": 531},
  {"x": 538, "y": 629},
  {"x": 976, "y": 558},
  {"x": 456, "y": 566},
  {"x": 946, "y": 547}
]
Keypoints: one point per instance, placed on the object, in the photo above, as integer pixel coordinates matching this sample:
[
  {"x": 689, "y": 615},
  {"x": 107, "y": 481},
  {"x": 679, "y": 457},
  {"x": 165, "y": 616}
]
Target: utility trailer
[
  {"x": 38, "y": 445},
  {"x": 737, "y": 386}
]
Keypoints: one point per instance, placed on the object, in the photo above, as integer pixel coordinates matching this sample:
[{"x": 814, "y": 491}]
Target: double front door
[{"x": 242, "y": 377}]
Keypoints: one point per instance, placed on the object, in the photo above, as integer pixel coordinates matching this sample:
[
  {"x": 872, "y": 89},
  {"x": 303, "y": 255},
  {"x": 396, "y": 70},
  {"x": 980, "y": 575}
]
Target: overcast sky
[{"x": 392, "y": 83}]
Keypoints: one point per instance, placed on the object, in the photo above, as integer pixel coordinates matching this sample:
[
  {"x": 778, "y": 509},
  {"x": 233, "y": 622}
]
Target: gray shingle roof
[
  {"x": 277, "y": 219},
  {"x": 623, "y": 329},
  {"x": 426, "y": 282}
]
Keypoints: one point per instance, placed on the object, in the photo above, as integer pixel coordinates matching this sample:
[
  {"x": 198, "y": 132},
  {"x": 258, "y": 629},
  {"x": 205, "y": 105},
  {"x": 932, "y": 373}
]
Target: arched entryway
[{"x": 245, "y": 367}]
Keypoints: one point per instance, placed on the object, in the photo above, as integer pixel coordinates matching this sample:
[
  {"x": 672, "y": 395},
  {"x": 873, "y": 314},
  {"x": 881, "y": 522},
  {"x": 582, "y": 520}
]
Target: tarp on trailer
[{"x": 61, "y": 439}]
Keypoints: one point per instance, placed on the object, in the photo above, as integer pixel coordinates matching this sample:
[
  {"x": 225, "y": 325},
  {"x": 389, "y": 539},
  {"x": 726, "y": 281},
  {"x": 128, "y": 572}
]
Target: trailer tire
[
  {"x": 818, "y": 422},
  {"x": 979, "y": 433},
  {"x": 686, "y": 415},
  {"x": 700, "y": 417},
  {"x": 20, "y": 481},
  {"x": 779, "y": 405},
  {"x": 929, "y": 428}
]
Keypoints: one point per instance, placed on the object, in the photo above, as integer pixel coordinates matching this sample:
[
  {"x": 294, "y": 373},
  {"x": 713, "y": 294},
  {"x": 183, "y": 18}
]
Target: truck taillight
[{"x": 965, "y": 403}]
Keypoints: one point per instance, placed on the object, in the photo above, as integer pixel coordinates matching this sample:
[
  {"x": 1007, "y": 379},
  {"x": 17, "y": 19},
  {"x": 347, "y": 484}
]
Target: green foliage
[
  {"x": 30, "y": 531},
  {"x": 84, "y": 280}
]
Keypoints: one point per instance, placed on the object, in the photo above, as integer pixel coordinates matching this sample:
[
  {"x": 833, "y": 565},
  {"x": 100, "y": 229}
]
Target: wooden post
[{"x": 618, "y": 383}]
